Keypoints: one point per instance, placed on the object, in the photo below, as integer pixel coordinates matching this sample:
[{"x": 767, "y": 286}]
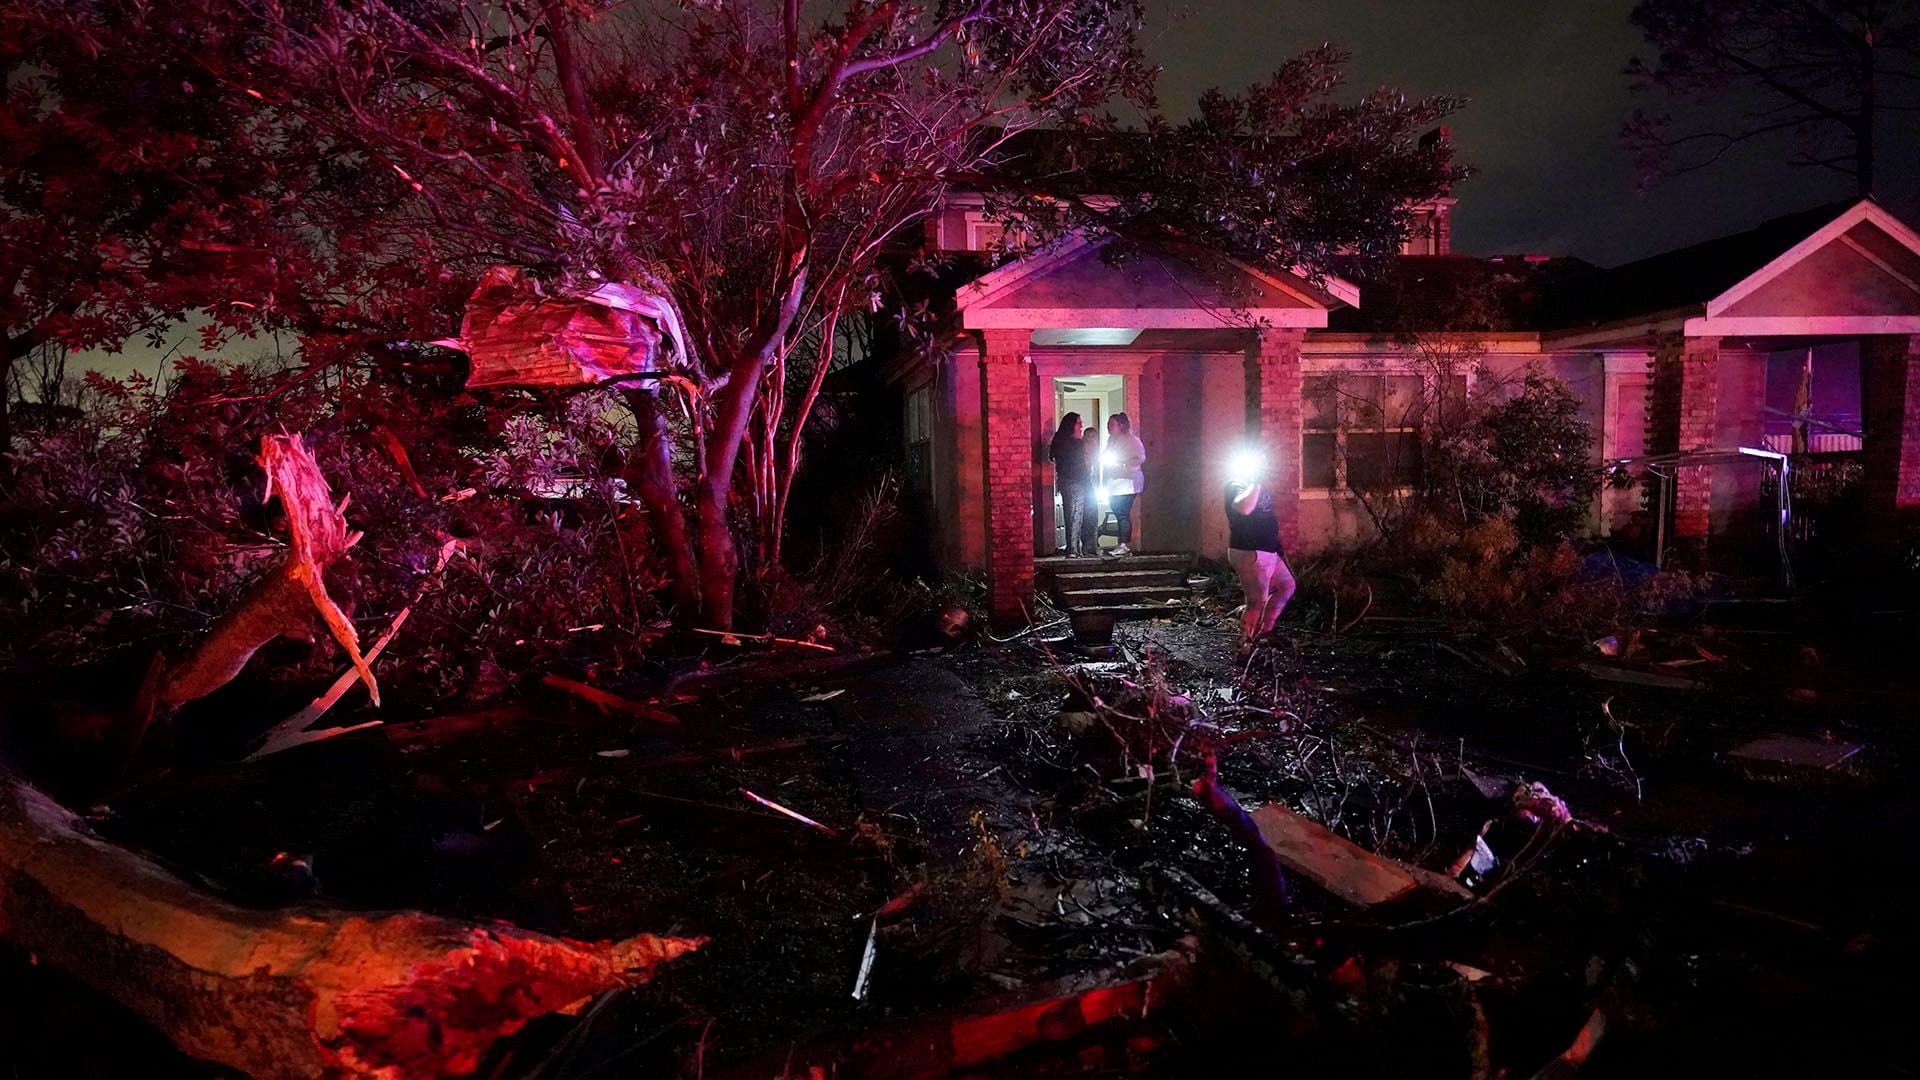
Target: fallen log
[{"x": 296, "y": 992}]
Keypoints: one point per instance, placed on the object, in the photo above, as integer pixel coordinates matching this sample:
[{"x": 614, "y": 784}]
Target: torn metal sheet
[{"x": 516, "y": 335}]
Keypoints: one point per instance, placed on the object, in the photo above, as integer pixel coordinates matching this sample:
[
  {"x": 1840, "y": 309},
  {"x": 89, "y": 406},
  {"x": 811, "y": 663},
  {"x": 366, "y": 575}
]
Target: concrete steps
[
  {"x": 1079, "y": 598},
  {"x": 1098, "y": 593}
]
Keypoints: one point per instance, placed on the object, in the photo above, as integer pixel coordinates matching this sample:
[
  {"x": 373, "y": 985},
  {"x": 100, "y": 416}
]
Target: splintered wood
[
  {"x": 298, "y": 992},
  {"x": 281, "y": 601}
]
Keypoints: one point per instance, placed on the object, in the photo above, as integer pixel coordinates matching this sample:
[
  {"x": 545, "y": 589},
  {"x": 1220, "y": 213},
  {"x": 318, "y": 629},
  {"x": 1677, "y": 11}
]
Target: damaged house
[{"x": 1669, "y": 355}]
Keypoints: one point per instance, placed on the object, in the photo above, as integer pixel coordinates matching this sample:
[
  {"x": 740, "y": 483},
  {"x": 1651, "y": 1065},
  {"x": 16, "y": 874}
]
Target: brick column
[
  {"x": 1006, "y": 406},
  {"x": 1890, "y": 411},
  {"x": 1273, "y": 420},
  {"x": 1680, "y": 416}
]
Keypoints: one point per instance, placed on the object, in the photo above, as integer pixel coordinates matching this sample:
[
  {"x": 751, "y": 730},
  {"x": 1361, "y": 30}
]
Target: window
[
  {"x": 1361, "y": 432},
  {"x": 917, "y": 424}
]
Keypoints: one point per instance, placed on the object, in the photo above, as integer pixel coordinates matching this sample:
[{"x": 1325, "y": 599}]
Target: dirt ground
[{"x": 1739, "y": 917}]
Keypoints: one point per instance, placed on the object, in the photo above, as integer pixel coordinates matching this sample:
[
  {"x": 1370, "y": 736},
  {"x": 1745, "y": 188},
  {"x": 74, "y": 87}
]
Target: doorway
[{"x": 1094, "y": 397}]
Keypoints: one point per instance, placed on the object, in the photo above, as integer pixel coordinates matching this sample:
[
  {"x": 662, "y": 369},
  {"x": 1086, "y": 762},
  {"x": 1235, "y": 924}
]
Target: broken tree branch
[
  {"x": 605, "y": 702},
  {"x": 293, "y": 732},
  {"x": 297, "y": 992},
  {"x": 281, "y": 601}
]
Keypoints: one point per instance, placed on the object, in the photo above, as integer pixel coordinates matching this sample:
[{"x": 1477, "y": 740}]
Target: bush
[{"x": 1527, "y": 459}]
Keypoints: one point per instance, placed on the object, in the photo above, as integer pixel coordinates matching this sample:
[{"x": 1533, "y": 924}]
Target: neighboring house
[{"x": 1669, "y": 354}]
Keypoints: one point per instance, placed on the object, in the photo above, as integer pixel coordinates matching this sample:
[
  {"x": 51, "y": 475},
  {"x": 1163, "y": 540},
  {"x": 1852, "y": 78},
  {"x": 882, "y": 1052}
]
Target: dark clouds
[{"x": 1542, "y": 127}]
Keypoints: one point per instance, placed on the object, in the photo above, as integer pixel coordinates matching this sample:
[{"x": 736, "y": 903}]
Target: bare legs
[{"x": 1269, "y": 585}]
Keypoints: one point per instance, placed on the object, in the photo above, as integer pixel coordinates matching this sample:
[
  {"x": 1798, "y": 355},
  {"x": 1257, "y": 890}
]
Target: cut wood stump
[{"x": 296, "y": 992}]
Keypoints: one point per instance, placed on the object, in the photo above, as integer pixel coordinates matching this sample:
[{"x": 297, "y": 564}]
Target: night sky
[{"x": 1542, "y": 127}]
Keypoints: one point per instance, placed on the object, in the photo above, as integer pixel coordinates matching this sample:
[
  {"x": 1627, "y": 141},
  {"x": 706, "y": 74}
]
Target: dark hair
[
  {"x": 1066, "y": 424},
  {"x": 1125, "y": 421}
]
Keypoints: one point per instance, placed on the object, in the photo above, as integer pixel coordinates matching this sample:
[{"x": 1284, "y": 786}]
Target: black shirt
[
  {"x": 1070, "y": 464},
  {"x": 1256, "y": 530}
]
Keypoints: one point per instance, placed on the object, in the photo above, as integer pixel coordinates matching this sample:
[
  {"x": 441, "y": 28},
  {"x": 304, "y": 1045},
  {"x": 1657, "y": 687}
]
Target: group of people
[
  {"x": 1077, "y": 468},
  {"x": 1253, "y": 528}
]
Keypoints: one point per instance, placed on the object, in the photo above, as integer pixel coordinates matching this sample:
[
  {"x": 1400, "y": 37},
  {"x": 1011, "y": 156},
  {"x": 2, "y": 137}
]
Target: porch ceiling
[{"x": 1068, "y": 285}]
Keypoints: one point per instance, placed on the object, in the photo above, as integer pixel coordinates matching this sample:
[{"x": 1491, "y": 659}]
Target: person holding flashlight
[
  {"x": 1253, "y": 549},
  {"x": 1126, "y": 476}
]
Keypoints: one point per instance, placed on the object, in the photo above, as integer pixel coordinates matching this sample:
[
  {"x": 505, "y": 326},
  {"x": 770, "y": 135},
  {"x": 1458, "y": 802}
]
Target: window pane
[
  {"x": 1319, "y": 410},
  {"x": 1360, "y": 397},
  {"x": 1453, "y": 399},
  {"x": 1406, "y": 400},
  {"x": 1404, "y": 463},
  {"x": 1376, "y": 462},
  {"x": 1316, "y": 459}
]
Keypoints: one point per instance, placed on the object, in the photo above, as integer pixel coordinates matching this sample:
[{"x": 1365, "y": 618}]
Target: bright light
[
  {"x": 1110, "y": 460},
  {"x": 1246, "y": 466}
]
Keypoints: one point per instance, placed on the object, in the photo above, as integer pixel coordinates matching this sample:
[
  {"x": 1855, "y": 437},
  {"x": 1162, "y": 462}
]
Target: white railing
[{"x": 1819, "y": 442}]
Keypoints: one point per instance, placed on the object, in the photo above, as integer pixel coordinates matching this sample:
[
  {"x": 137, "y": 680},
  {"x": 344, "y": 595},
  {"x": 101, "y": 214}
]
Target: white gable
[
  {"x": 1068, "y": 284},
  {"x": 1858, "y": 274}
]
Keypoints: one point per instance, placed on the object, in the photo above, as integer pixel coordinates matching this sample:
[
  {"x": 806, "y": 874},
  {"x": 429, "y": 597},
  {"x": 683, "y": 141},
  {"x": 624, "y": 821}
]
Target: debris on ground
[{"x": 1796, "y": 751}]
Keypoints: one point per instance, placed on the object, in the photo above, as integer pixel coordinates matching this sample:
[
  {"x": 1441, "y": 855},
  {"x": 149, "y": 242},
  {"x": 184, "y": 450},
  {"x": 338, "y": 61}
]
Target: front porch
[
  {"x": 1700, "y": 378},
  {"x": 1206, "y": 353}
]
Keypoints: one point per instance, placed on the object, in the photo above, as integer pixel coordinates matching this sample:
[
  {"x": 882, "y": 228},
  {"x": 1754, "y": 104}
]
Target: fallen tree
[{"x": 296, "y": 992}]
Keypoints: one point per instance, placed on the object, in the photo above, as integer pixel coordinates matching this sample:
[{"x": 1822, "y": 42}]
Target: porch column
[
  {"x": 1044, "y": 421},
  {"x": 1680, "y": 417},
  {"x": 1006, "y": 392},
  {"x": 966, "y": 525},
  {"x": 1273, "y": 420},
  {"x": 1890, "y": 411}
]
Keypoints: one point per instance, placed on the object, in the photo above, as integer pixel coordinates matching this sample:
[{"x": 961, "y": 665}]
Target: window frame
[{"x": 1346, "y": 424}]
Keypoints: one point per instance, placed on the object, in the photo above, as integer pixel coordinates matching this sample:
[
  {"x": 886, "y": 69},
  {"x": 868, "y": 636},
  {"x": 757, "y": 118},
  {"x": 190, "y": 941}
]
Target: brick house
[{"x": 1668, "y": 354}]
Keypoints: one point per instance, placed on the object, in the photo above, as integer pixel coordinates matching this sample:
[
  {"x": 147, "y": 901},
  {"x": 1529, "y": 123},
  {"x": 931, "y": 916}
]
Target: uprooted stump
[{"x": 297, "y": 992}]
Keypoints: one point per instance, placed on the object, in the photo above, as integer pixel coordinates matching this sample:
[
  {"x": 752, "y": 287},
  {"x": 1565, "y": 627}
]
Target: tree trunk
[
  {"x": 6, "y": 408},
  {"x": 299, "y": 992},
  {"x": 719, "y": 562},
  {"x": 650, "y": 471}
]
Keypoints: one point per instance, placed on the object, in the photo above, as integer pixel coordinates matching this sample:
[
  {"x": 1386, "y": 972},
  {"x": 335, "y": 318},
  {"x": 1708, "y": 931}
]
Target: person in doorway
[
  {"x": 1253, "y": 548},
  {"x": 1126, "y": 477},
  {"x": 1073, "y": 475}
]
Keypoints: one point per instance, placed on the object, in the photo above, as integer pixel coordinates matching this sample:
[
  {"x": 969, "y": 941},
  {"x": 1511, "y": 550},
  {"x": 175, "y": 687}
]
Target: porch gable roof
[
  {"x": 1838, "y": 270},
  {"x": 1068, "y": 285}
]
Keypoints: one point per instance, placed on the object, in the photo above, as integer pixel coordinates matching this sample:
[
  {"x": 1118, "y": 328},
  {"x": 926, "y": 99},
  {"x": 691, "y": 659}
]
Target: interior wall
[{"x": 1094, "y": 404}]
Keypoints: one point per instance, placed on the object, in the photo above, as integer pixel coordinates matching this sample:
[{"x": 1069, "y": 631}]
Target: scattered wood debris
[
  {"x": 1636, "y": 677},
  {"x": 606, "y": 702},
  {"x": 794, "y": 814},
  {"x": 1796, "y": 751},
  {"x": 1343, "y": 867}
]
